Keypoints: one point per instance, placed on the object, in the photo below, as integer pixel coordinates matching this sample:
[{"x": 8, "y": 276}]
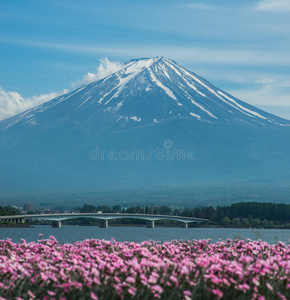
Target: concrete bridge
[{"x": 104, "y": 217}]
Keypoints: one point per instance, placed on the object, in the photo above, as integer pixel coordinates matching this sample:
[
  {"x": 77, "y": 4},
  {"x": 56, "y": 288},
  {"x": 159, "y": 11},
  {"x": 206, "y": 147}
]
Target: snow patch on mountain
[
  {"x": 195, "y": 115},
  {"x": 166, "y": 89},
  {"x": 244, "y": 108},
  {"x": 136, "y": 119}
]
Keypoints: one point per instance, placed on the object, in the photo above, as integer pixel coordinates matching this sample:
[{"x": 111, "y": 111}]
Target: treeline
[
  {"x": 268, "y": 211},
  {"x": 243, "y": 214},
  {"x": 8, "y": 211},
  {"x": 162, "y": 210},
  {"x": 246, "y": 214}
]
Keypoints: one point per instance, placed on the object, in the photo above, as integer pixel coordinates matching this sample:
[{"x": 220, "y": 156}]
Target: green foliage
[
  {"x": 9, "y": 211},
  {"x": 135, "y": 210},
  {"x": 93, "y": 209},
  {"x": 243, "y": 214},
  {"x": 226, "y": 221},
  {"x": 165, "y": 210},
  {"x": 256, "y": 222},
  {"x": 88, "y": 209},
  {"x": 117, "y": 208}
]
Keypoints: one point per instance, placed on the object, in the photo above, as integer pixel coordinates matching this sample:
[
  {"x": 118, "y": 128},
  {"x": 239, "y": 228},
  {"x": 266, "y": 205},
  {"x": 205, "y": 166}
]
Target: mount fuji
[{"x": 85, "y": 139}]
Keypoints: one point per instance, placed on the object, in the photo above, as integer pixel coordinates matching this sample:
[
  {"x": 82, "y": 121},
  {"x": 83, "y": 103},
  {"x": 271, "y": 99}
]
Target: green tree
[
  {"x": 135, "y": 210},
  {"x": 165, "y": 210},
  {"x": 176, "y": 212},
  {"x": 148, "y": 210},
  {"x": 9, "y": 211},
  {"x": 88, "y": 209},
  {"x": 236, "y": 222},
  {"x": 208, "y": 212},
  {"x": 226, "y": 221},
  {"x": 265, "y": 224},
  {"x": 245, "y": 222},
  {"x": 117, "y": 208},
  {"x": 256, "y": 222},
  {"x": 105, "y": 209}
]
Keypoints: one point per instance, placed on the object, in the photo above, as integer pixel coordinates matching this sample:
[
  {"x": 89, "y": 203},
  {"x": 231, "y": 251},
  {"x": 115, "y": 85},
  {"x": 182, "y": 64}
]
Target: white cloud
[
  {"x": 105, "y": 68},
  {"x": 12, "y": 103},
  {"x": 273, "y": 5},
  {"x": 269, "y": 94}
]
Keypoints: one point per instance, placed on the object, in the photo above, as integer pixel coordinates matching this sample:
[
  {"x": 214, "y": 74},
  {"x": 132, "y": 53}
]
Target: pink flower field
[{"x": 99, "y": 269}]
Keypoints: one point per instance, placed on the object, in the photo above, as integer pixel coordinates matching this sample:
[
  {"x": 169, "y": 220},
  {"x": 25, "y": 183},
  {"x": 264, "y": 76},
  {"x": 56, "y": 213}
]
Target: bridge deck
[{"x": 103, "y": 216}]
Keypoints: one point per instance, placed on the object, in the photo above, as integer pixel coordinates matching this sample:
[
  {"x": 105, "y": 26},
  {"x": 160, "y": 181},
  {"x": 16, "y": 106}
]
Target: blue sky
[{"x": 242, "y": 47}]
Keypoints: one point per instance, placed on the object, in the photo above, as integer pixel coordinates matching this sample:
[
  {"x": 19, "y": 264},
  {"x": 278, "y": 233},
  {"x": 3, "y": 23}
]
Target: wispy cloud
[
  {"x": 105, "y": 68},
  {"x": 65, "y": 47},
  {"x": 268, "y": 92},
  {"x": 12, "y": 103},
  {"x": 211, "y": 56},
  {"x": 273, "y": 6}
]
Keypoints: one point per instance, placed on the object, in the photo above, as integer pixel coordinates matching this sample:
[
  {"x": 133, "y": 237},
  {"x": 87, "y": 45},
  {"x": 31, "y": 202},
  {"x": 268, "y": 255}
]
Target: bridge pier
[
  {"x": 56, "y": 224},
  {"x": 150, "y": 224},
  {"x": 104, "y": 224},
  {"x": 184, "y": 225},
  {"x": 20, "y": 220}
]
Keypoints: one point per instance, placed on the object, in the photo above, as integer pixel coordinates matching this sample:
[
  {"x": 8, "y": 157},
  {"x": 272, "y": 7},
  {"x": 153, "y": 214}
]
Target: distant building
[{"x": 27, "y": 207}]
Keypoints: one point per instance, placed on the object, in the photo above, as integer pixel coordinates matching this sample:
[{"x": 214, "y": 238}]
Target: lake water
[{"x": 69, "y": 234}]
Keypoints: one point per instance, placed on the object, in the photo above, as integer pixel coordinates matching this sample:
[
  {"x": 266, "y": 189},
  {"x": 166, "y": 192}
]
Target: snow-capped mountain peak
[{"x": 148, "y": 91}]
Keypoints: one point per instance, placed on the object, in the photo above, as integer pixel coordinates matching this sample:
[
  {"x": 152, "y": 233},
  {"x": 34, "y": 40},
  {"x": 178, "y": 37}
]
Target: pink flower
[
  {"x": 218, "y": 293},
  {"x": 269, "y": 286},
  {"x": 130, "y": 279},
  {"x": 132, "y": 291},
  {"x": 187, "y": 293},
  {"x": 174, "y": 279},
  {"x": 281, "y": 296},
  {"x": 51, "y": 293},
  {"x": 152, "y": 279},
  {"x": 215, "y": 280},
  {"x": 255, "y": 281},
  {"x": 31, "y": 295},
  {"x": 43, "y": 277},
  {"x": 157, "y": 289},
  {"x": 243, "y": 287},
  {"x": 93, "y": 296},
  {"x": 226, "y": 282}
]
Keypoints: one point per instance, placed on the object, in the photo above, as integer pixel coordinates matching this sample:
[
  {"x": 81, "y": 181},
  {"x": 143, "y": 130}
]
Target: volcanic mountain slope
[
  {"x": 146, "y": 91},
  {"x": 146, "y": 103}
]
